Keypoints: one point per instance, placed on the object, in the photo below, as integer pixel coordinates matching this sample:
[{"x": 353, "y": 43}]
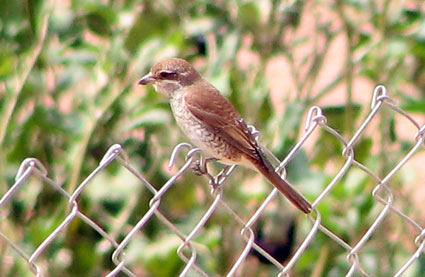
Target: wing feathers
[{"x": 220, "y": 115}]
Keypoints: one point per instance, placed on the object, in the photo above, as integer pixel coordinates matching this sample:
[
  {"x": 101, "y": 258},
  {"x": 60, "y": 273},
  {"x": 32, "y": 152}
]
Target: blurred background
[{"x": 68, "y": 91}]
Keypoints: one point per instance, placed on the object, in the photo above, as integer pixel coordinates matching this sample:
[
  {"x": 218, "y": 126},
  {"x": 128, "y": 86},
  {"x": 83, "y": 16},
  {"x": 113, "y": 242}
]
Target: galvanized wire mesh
[{"x": 316, "y": 121}]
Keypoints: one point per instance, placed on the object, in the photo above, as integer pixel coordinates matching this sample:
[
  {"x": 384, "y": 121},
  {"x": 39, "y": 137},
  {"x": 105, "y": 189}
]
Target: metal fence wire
[{"x": 316, "y": 121}]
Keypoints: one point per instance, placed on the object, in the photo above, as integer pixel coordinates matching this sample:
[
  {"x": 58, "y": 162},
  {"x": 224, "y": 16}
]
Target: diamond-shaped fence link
[{"x": 316, "y": 121}]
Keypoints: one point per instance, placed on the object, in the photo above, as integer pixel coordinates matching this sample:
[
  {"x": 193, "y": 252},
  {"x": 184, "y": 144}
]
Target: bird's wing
[{"x": 221, "y": 117}]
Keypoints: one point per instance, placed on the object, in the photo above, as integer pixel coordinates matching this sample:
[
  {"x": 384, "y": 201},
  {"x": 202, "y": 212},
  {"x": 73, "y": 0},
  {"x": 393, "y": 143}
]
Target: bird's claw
[{"x": 199, "y": 168}]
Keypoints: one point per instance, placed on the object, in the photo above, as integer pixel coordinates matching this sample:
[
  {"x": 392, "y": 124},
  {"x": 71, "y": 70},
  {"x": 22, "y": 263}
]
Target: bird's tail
[{"x": 265, "y": 167}]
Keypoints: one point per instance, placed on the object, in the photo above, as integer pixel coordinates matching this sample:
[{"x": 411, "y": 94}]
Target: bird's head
[{"x": 171, "y": 75}]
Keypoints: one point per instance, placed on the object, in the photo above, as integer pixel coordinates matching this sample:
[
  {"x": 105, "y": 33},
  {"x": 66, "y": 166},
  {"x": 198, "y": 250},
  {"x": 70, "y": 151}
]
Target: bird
[{"x": 213, "y": 124}]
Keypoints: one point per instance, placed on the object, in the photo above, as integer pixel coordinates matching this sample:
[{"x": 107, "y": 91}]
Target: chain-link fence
[{"x": 316, "y": 121}]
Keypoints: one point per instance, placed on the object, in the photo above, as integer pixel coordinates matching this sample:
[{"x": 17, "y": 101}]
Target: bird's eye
[{"x": 168, "y": 75}]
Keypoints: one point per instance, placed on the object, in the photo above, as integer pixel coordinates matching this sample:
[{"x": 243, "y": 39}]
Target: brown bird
[{"x": 212, "y": 123}]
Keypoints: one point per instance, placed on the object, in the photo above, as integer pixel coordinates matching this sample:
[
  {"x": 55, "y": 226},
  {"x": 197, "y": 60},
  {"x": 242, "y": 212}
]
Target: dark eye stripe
[{"x": 168, "y": 75}]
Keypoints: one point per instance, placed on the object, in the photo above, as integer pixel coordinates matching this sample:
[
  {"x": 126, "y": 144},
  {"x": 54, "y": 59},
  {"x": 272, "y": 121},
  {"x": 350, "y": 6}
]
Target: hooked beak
[{"x": 147, "y": 79}]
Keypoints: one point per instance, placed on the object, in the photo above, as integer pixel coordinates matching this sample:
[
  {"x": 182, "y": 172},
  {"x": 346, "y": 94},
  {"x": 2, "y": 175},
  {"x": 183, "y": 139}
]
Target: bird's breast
[{"x": 202, "y": 136}]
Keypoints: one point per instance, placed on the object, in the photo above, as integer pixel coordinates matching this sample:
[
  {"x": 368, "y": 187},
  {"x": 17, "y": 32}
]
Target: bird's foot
[{"x": 198, "y": 168}]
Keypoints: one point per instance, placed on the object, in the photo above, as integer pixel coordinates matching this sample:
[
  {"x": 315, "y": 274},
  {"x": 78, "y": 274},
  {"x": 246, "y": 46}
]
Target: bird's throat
[{"x": 168, "y": 88}]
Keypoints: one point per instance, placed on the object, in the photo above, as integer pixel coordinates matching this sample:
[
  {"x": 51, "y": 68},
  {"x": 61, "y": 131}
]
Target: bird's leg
[{"x": 199, "y": 167}]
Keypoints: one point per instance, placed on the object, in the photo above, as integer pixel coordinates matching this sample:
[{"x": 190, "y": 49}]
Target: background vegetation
[{"x": 68, "y": 72}]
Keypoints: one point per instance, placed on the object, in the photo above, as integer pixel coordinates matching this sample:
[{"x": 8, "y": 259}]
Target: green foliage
[{"x": 68, "y": 72}]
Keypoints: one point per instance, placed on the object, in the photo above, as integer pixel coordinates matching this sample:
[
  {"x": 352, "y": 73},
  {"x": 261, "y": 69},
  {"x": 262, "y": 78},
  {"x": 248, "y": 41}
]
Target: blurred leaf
[
  {"x": 299, "y": 172},
  {"x": 266, "y": 110},
  {"x": 199, "y": 26},
  {"x": 83, "y": 258},
  {"x": 227, "y": 52},
  {"x": 148, "y": 24},
  {"x": 7, "y": 63},
  {"x": 151, "y": 117},
  {"x": 249, "y": 15},
  {"x": 33, "y": 9},
  {"x": 416, "y": 106},
  {"x": 161, "y": 252},
  {"x": 98, "y": 23},
  {"x": 392, "y": 130},
  {"x": 364, "y": 38},
  {"x": 334, "y": 114},
  {"x": 287, "y": 124},
  {"x": 412, "y": 15},
  {"x": 363, "y": 149},
  {"x": 397, "y": 48},
  {"x": 418, "y": 48},
  {"x": 235, "y": 81}
]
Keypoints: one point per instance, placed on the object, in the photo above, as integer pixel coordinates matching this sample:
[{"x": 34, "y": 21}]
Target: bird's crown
[{"x": 174, "y": 69}]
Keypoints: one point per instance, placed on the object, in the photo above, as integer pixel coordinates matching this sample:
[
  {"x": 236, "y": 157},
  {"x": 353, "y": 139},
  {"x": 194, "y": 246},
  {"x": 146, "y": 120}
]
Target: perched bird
[{"x": 212, "y": 123}]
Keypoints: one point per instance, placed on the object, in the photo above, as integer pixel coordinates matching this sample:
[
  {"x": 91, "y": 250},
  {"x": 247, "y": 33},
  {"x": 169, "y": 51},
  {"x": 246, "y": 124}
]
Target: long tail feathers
[{"x": 265, "y": 167}]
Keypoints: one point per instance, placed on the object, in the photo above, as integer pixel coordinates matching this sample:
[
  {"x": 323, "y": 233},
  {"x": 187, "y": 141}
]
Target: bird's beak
[{"x": 147, "y": 79}]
